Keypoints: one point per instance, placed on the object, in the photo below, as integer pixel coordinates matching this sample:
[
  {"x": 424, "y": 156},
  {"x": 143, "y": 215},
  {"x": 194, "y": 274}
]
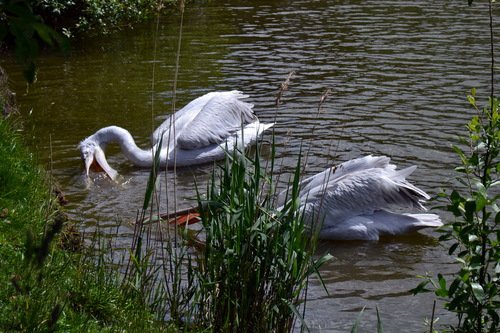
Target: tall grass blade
[
  {"x": 355, "y": 327},
  {"x": 153, "y": 175},
  {"x": 299, "y": 316},
  {"x": 380, "y": 329}
]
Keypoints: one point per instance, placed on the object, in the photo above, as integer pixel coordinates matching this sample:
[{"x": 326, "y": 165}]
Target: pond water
[{"x": 398, "y": 71}]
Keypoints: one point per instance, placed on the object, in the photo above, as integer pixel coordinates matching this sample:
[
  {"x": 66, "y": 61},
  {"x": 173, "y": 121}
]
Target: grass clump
[
  {"x": 247, "y": 270},
  {"x": 19, "y": 179},
  {"x": 255, "y": 265}
]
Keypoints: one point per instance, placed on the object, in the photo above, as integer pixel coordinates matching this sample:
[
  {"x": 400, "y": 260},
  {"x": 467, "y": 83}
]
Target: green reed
[
  {"x": 251, "y": 272},
  {"x": 158, "y": 265}
]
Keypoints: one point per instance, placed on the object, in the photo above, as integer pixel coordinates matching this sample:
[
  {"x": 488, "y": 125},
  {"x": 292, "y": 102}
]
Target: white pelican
[
  {"x": 352, "y": 200},
  {"x": 204, "y": 130}
]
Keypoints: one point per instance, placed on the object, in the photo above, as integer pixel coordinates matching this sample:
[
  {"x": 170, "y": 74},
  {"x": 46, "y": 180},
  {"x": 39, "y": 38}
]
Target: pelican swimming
[
  {"x": 201, "y": 132},
  {"x": 353, "y": 200}
]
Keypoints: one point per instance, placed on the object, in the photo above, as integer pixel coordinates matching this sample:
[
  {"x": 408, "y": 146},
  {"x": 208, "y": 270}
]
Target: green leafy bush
[
  {"x": 474, "y": 292},
  {"x": 25, "y": 29},
  {"x": 103, "y": 16}
]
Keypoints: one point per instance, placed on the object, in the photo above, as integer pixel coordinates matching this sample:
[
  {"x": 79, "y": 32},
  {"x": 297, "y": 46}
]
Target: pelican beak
[
  {"x": 88, "y": 160},
  {"x": 100, "y": 159}
]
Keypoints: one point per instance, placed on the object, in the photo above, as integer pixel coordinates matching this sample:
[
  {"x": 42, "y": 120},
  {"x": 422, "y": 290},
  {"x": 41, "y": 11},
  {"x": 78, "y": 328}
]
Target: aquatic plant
[
  {"x": 250, "y": 271},
  {"x": 256, "y": 261}
]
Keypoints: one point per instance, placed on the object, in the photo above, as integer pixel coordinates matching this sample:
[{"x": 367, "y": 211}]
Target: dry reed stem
[
  {"x": 322, "y": 100},
  {"x": 284, "y": 87}
]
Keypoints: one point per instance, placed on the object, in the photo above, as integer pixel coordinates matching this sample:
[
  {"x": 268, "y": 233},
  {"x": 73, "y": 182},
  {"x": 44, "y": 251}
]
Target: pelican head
[{"x": 93, "y": 157}]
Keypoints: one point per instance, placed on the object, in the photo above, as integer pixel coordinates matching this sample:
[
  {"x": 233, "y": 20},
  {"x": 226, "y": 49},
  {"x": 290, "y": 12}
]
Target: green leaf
[
  {"x": 20, "y": 9},
  {"x": 153, "y": 175},
  {"x": 315, "y": 268},
  {"x": 45, "y": 33},
  {"x": 460, "y": 153},
  {"x": 474, "y": 124},
  {"x": 441, "y": 291},
  {"x": 478, "y": 291},
  {"x": 453, "y": 248},
  {"x": 455, "y": 196},
  {"x": 481, "y": 202},
  {"x": 454, "y": 287},
  {"x": 298, "y": 315},
  {"x": 470, "y": 209},
  {"x": 471, "y": 99},
  {"x": 421, "y": 288}
]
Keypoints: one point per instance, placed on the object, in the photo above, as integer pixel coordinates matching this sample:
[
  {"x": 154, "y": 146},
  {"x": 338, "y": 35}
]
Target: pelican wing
[
  {"x": 361, "y": 188},
  {"x": 346, "y": 168},
  {"x": 221, "y": 116},
  {"x": 180, "y": 118},
  {"x": 319, "y": 182}
]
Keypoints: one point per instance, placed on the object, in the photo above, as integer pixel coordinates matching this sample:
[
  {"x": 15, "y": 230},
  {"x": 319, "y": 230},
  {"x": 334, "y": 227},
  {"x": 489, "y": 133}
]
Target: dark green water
[{"x": 399, "y": 72}]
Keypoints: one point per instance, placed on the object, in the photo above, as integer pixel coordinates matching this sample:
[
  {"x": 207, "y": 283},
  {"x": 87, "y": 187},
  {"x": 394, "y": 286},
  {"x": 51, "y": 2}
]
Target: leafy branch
[{"x": 27, "y": 32}]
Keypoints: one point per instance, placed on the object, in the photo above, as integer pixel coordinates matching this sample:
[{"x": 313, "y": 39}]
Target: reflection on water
[
  {"x": 399, "y": 72},
  {"x": 377, "y": 275}
]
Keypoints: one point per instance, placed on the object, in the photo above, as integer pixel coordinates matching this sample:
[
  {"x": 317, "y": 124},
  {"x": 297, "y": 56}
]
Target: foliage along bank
[{"x": 46, "y": 286}]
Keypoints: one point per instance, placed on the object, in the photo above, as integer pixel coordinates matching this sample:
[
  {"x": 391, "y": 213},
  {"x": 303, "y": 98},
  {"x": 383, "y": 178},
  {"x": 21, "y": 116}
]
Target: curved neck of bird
[{"x": 138, "y": 156}]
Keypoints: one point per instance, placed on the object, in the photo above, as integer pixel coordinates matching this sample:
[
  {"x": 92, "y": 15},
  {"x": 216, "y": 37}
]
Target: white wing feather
[
  {"x": 352, "y": 200},
  {"x": 187, "y": 113},
  {"x": 209, "y": 119},
  {"x": 361, "y": 186},
  {"x": 220, "y": 117}
]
